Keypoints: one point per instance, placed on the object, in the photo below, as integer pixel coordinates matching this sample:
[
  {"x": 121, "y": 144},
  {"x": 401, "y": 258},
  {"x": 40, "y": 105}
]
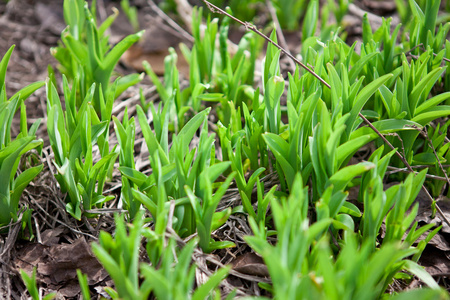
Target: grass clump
[
  {"x": 13, "y": 152},
  {"x": 220, "y": 132}
]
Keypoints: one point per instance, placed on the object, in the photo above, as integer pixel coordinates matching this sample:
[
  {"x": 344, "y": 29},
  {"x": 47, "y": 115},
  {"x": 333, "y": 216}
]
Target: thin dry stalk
[{"x": 169, "y": 21}]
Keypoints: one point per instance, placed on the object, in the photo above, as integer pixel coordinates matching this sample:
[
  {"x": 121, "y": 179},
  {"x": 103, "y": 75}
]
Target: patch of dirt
[{"x": 57, "y": 262}]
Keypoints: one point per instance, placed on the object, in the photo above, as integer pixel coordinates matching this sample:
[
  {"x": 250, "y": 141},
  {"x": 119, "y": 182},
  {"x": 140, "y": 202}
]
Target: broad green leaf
[
  {"x": 310, "y": 21},
  {"x": 112, "y": 267},
  {"x": 385, "y": 126},
  {"x": 280, "y": 149},
  {"x": 429, "y": 23},
  {"x": 186, "y": 134},
  {"x": 8, "y": 159},
  {"x": 146, "y": 201},
  {"x": 359, "y": 66},
  {"x": 76, "y": 48},
  {"x": 25, "y": 92},
  {"x": 21, "y": 182},
  {"x": 351, "y": 209},
  {"x": 418, "y": 13},
  {"x": 349, "y": 148},
  {"x": 211, "y": 97},
  {"x": 108, "y": 22},
  {"x": 4, "y": 66},
  {"x": 423, "y": 88},
  {"x": 429, "y": 103},
  {"x": 432, "y": 114},
  {"x": 216, "y": 170},
  {"x": 247, "y": 204},
  {"x": 361, "y": 99},
  {"x": 342, "y": 177},
  {"x": 114, "y": 55},
  {"x": 75, "y": 198},
  {"x": 422, "y": 294},
  {"x": 217, "y": 245},
  {"x": 276, "y": 143},
  {"x": 127, "y": 81},
  {"x": 150, "y": 138},
  {"x": 426, "y": 159},
  {"x": 219, "y": 218},
  {"x": 30, "y": 283},
  {"x": 344, "y": 221},
  {"x": 367, "y": 34},
  {"x": 83, "y": 281},
  {"x": 420, "y": 272}
]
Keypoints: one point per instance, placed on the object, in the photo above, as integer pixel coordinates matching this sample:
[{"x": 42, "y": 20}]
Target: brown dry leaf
[
  {"x": 51, "y": 237},
  {"x": 57, "y": 265},
  {"x": 425, "y": 213},
  {"x": 70, "y": 289},
  {"x": 66, "y": 258},
  {"x": 435, "y": 261},
  {"x": 153, "y": 48},
  {"x": 250, "y": 264},
  {"x": 136, "y": 55},
  {"x": 439, "y": 241},
  {"x": 29, "y": 256}
]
